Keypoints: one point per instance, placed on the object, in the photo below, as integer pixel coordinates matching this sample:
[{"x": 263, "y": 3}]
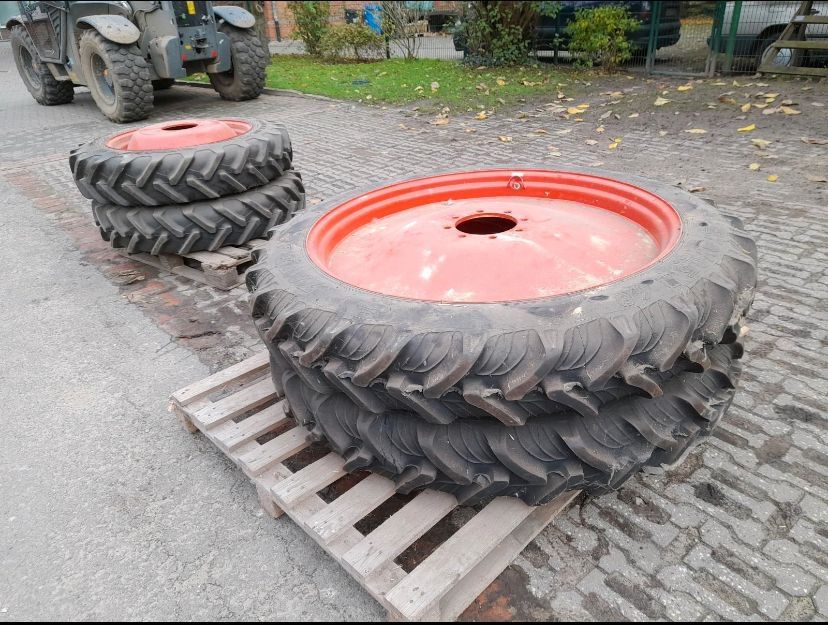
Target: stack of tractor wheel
[
  {"x": 502, "y": 332},
  {"x": 189, "y": 185}
]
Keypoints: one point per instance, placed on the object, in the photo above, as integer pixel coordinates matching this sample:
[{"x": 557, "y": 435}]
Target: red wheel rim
[
  {"x": 180, "y": 133},
  {"x": 494, "y": 235}
]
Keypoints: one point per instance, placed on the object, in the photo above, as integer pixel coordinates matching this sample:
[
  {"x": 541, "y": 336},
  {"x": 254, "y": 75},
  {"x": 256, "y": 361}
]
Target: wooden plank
[
  {"x": 808, "y": 44},
  {"x": 810, "y": 19},
  {"x": 216, "y": 260},
  {"x": 274, "y": 451},
  {"x": 460, "y": 597},
  {"x": 398, "y": 532},
  {"x": 235, "y": 252},
  {"x": 797, "y": 71},
  {"x": 244, "y": 370},
  {"x": 351, "y": 506},
  {"x": 418, "y": 593},
  {"x": 309, "y": 481},
  {"x": 230, "y": 435},
  {"x": 236, "y": 404}
]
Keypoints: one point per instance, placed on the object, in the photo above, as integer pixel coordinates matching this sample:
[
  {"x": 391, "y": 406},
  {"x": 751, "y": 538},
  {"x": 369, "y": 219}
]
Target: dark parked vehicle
[{"x": 551, "y": 32}]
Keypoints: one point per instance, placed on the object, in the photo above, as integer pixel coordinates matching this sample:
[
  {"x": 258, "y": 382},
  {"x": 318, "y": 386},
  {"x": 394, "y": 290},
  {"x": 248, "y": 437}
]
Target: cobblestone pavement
[{"x": 740, "y": 529}]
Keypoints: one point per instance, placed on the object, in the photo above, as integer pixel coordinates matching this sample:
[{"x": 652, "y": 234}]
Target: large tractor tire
[
  {"x": 181, "y": 161},
  {"x": 249, "y": 59},
  {"x": 478, "y": 460},
  {"x": 207, "y": 225},
  {"x": 501, "y": 298},
  {"x": 118, "y": 77},
  {"x": 44, "y": 87}
]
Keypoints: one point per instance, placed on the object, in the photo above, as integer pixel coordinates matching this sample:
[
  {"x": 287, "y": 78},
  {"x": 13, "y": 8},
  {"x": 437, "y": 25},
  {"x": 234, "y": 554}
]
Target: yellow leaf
[
  {"x": 754, "y": 166},
  {"x": 749, "y": 128},
  {"x": 599, "y": 129},
  {"x": 435, "y": 86},
  {"x": 440, "y": 122},
  {"x": 501, "y": 82},
  {"x": 506, "y": 139},
  {"x": 541, "y": 131},
  {"x": 745, "y": 107},
  {"x": 790, "y": 111},
  {"x": 632, "y": 115},
  {"x": 687, "y": 87},
  {"x": 760, "y": 106},
  {"x": 760, "y": 143},
  {"x": 582, "y": 106},
  {"x": 773, "y": 178},
  {"x": 591, "y": 142},
  {"x": 612, "y": 145},
  {"x": 617, "y": 140},
  {"x": 771, "y": 95},
  {"x": 481, "y": 115},
  {"x": 574, "y": 111},
  {"x": 696, "y": 131},
  {"x": 660, "y": 101}
]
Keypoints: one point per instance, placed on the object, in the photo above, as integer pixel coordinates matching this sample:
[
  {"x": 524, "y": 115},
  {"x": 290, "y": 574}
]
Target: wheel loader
[{"x": 123, "y": 51}]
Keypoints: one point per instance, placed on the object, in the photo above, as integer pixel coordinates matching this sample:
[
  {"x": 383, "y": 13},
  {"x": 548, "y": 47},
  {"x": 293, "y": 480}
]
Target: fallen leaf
[
  {"x": 555, "y": 153},
  {"x": 583, "y": 106},
  {"x": 814, "y": 141},
  {"x": 749, "y": 128},
  {"x": 605, "y": 115},
  {"x": 659, "y": 101},
  {"x": 481, "y": 87},
  {"x": 435, "y": 86},
  {"x": 696, "y": 131},
  {"x": 787, "y": 102},
  {"x": 745, "y": 107},
  {"x": 505, "y": 139},
  {"x": 612, "y": 145},
  {"x": 661, "y": 133},
  {"x": 632, "y": 115},
  {"x": 773, "y": 178},
  {"x": 771, "y": 111},
  {"x": 726, "y": 99},
  {"x": 754, "y": 166},
  {"x": 561, "y": 95},
  {"x": 790, "y": 111},
  {"x": 817, "y": 178},
  {"x": 771, "y": 95},
  {"x": 591, "y": 142},
  {"x": 596, "y": 164},
  {"x": 697, "y": 189},
  {"x": 565, "y": 131},
  {"x": 760, "y": 106},
  {"x": 440, "y": 122},
  {"x": 471, "y": 129},
  {"x": 599, "y": 129},
  {"x": 501, "y": 82},
  {"x": 574, "y": 111},
  {"x": 687, "y": 87},
  {"x": 541, "y": 131},
  {"x": 760, "y": 143},
  {"x": 482, "y": 115}
]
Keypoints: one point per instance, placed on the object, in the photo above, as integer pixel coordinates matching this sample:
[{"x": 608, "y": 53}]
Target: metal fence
[{"x": 693, "y": 38}]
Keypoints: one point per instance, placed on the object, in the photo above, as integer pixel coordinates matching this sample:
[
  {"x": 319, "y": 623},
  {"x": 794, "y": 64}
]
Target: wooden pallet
[
  {"x": 239, "y": 410},
  {"x": 794, "y": 37},
  {"x": 222, "y": 269}
]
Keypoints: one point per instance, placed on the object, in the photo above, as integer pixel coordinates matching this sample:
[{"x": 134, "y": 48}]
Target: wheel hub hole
[
  {"x": 180, "y": 126},
  {"x": 486, "y": 224}
]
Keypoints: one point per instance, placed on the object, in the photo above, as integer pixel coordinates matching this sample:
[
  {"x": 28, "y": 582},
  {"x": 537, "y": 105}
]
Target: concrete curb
[{"x": 291, "y": 92}]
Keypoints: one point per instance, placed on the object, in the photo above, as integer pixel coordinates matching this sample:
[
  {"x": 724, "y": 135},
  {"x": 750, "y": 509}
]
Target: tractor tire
[
  {"x": 162, "y": 84},
  {"x": 118, "y": 77},
  {"x": 479, "y": 460},
  {"x": 40, "y": 82},
  {"x": 208, "y": 225},
  {"x": 249, "y": 57},
  {"x": 181, "y": 175},
  {"x": 510, "y": 360}
]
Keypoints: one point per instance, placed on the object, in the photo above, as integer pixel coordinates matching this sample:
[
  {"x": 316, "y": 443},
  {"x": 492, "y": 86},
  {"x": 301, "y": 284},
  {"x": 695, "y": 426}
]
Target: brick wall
[{"x": 286, "y": 23}]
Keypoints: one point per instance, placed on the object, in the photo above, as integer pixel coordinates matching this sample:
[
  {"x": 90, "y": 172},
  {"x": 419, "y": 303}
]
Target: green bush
[
  {"x": 600, "y": 36},
  {"x": 355, "y": 41},
  {"x": 495, "y": 32},
  {"x": 311, "y": 20}
]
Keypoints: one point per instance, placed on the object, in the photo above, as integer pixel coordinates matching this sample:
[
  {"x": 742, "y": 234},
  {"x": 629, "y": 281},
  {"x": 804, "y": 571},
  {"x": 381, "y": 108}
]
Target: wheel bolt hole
[
  {"x": 490, "y": 224},
  {"x": 646, "y": 282}
]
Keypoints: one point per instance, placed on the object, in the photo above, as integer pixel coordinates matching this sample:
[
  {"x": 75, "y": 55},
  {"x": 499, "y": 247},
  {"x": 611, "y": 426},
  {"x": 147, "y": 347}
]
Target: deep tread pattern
[
  {"x": 130, "y": 75},
  {"x": 536, "y": 461},
  {"x": 246, "y": 79},
  {"x": 512, "y": 361},
  {"x": 182, "y": 175},
  {"x": 51, "y": 91},
  {"x": 208, "y": 225}
]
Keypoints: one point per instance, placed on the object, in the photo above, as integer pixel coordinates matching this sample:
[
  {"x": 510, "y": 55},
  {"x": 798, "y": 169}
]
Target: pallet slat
[
  {"x": 309, "y": 480},
  {"x": 253, "y": 366},
  {"x": 352, "y": 506},
  {"x": 236, "y": 404},
  {"x": 398, "y": 533},
  {"x": 229, "y": 436},
  {"x": 274, "y": 451}
]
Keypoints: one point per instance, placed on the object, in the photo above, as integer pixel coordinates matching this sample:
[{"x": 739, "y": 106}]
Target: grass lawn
[{"x": 431, "y": 83}]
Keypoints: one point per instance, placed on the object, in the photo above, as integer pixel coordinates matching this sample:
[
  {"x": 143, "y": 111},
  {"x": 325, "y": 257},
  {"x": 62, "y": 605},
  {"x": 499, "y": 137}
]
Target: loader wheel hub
[
  {"x": 183, "y": 133},
  {"x": 493, "y": 235}
]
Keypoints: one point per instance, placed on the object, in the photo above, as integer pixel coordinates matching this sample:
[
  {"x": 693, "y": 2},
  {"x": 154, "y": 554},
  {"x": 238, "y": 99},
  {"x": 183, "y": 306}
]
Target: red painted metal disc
[
  {"x": 493, "y": 235},
  {"x": 181, "y": 133}
]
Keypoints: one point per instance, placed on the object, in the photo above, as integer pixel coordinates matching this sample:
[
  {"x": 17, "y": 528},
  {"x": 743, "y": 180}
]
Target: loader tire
[
  {"x": 39, "y": 81},
  {"x": 245, "y": 80},
  {"x": 206, "y": 225},
  {"x": 479, "y": 460},
  {"x": 184, "y": 174},
  {"x": 118, "y": 77},
  {"x": 503, "y": 361}
]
